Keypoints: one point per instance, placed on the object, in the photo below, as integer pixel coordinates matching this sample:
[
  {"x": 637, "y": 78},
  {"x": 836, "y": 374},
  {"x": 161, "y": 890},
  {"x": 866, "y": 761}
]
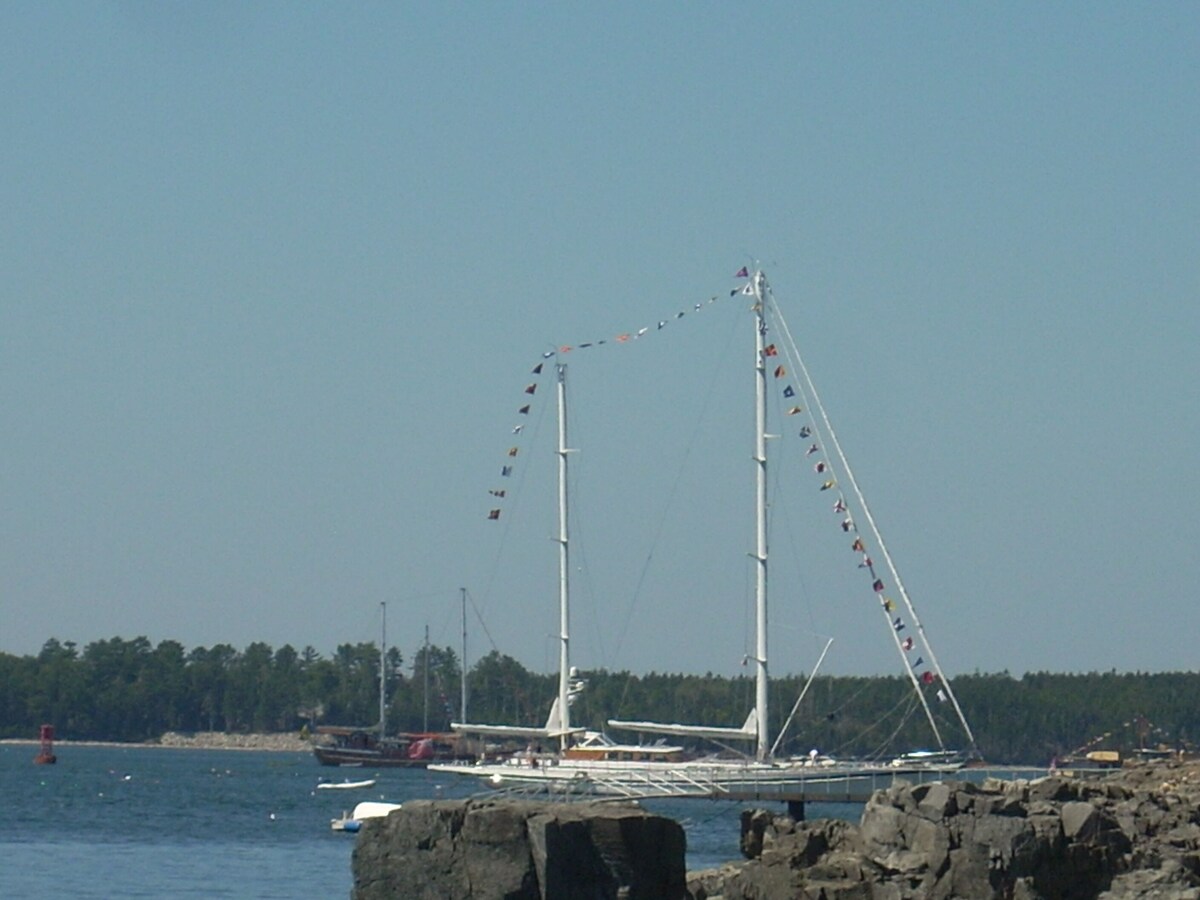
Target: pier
[{"x": 793, "y": 790}]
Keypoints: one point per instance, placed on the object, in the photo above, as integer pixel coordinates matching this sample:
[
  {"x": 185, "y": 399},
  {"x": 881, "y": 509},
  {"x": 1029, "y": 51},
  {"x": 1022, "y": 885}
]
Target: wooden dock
[
  {"x": 854, "y": 786},
  {"x": 793, "y": 790}
]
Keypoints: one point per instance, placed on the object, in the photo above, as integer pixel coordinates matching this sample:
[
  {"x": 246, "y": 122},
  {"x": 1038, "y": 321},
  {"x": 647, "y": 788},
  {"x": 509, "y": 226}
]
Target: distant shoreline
[{"x": 286, "y": 742}]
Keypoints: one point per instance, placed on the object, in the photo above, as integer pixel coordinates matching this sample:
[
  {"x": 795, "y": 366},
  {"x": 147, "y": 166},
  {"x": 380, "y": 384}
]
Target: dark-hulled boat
[{"x": 350, "y": 746}]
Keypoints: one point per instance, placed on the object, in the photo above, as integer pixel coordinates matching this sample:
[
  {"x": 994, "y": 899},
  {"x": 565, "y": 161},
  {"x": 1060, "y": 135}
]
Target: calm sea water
[{"x": 137, "y": 822}]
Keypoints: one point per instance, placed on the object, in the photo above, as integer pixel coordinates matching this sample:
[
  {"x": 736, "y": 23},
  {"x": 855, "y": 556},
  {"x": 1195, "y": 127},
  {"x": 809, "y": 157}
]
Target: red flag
[
  {"x": 780, "y": 371},
  {"x": 928, "y": 678},
  {"x": 531, "y": 388},
  {"x": 858, "y": 545},
  {"x": 743, "y": 272},
  {"x": 770, "y": 350},
  {"x": 878, "y": 585}
]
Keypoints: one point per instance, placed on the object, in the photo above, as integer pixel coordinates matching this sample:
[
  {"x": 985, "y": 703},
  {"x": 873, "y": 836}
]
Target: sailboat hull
[
  {"x": 385, "y": 758},
  {"x": 360, "y": 748},
  {"x": 699, "y": 778}
]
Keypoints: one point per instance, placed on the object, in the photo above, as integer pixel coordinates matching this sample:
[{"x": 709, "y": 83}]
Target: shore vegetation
[{"x": 130, "y": 690}]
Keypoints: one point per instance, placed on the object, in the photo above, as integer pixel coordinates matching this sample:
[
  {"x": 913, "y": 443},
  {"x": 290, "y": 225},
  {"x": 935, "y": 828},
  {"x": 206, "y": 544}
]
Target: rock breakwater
[
  {"x": 219, "y": 740},
  {"x": 1135, "y": 833},
  {"x": 1132, "y": 834}
]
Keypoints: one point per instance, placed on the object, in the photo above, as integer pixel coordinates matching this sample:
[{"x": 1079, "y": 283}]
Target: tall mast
[
  {"x": 425, "y": 722},
  {"x": 382, "y": 670},
  {"x": 462, "y": 709},
  {"x": 762, "y": 750},
  {"x": 564, "y": 597}
]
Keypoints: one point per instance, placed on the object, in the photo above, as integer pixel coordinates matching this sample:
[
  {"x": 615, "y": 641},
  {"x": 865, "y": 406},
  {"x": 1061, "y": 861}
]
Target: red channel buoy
[{"x": 46, "y": 755}]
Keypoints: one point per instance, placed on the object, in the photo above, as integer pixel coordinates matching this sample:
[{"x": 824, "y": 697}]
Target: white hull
[
  {"x": 345, "y": 785},
  {"x": 368, "y": 809},
  {"x": 705, "y": 777}
]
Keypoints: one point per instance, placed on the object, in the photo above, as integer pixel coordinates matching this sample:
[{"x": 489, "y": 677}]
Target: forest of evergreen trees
[{"x": 132, "y": 690}]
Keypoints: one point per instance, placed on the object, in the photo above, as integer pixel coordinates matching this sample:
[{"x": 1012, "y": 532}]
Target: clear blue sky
[{"x": 274, "y": 276}]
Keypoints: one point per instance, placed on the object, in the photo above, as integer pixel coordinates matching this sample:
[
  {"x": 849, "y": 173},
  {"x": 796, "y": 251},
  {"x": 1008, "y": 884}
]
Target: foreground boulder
[
  {"x": 496, "y": 849},
  {"x": 1133, "y": 834}
]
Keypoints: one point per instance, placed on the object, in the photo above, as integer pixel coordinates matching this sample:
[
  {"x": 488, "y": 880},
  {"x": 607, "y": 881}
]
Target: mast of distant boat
[
  {"x": 564, "y": 593},
  {"x": 462, "y": 709},
  {"x": 382, "y": 671},
  {"x": 763, "y": 747}
]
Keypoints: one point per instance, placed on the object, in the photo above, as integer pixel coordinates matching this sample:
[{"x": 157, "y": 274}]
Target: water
[{"x": 155, "y": 822}]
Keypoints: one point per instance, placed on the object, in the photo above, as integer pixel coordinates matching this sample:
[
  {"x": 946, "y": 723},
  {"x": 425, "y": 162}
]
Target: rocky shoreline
[
  {"x": 285, "y": 742},
  {"x": 217, "y": 740},
  {"x": 1132, "y": 834}
]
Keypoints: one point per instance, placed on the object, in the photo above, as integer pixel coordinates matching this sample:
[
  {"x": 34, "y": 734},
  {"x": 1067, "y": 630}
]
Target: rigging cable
[{"x": 810, "y": 389}]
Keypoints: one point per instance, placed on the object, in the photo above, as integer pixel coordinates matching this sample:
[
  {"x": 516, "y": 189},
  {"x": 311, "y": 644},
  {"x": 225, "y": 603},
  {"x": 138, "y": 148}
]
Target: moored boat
[
  {"x": 589, "y": 757},
  {"x": 368, "y": 809},
  {"x": 345, "y": 785},
  {"x": 349, "y": 746}
]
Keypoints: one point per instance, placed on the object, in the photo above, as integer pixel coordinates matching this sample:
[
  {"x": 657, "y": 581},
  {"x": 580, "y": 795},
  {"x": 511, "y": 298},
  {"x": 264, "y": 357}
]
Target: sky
[{"x": 275, "y": 276}]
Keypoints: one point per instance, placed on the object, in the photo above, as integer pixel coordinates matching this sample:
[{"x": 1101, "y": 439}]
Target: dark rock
[
  {"x": 1134, "y": 834},
  {"x": 1080, "y": 821},
  {"x": 935, "y": 801},
  {"x": 512, "y": 850},
  {"x": 882, "y": 829},
  {"x": 417, "y": 852},
  {"x": 1055, "y": 788},
  {"x": 754, "y": 825},
  {"x": 708, "y": 884}
]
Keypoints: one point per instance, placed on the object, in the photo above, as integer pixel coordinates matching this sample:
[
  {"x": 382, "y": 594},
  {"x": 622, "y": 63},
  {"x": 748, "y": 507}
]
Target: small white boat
[
  {"x": 345, "y": 785},
  {"x": 368, "y": 809}
]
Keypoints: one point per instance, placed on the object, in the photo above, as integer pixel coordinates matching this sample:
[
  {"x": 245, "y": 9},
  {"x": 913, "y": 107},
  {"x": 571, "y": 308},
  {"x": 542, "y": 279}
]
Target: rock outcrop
[
  {"x": 1133, "y": 834},
  {"x": 519, "y": 850}
]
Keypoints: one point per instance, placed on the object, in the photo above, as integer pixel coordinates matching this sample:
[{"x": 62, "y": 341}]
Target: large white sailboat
[{"x": 592, "y": 761}]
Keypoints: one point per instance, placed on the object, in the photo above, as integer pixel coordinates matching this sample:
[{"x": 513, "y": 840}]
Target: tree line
[{"x": 133, "y": 690}]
